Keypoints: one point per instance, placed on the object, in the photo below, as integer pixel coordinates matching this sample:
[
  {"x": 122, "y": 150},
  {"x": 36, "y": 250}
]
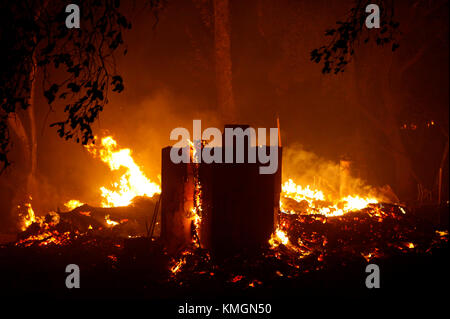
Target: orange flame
[
  {"x": 278, "y": 237},
  {"x": 110, "y": 222},
  {"x": 28, "y": 217},
  {"x": 73, "y": 203},
  {"x": 132, "y": 183},
  {"x": 318, "y": 203}
]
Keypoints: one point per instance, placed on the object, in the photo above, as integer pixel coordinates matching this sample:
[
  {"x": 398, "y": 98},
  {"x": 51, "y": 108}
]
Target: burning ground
[{"x": 321, "y": 245}]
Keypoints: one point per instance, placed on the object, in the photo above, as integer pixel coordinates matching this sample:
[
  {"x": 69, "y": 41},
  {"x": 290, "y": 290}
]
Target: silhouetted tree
[
  {"x": 347, "y": 34},
  {"x": 222, "y": 45},
  {"x": 216, "y": 17},
  {"x": 76, "y": 66}
]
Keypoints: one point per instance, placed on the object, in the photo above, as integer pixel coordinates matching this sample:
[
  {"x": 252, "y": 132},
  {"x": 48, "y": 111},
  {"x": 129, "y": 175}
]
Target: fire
[
  {"x": 279, "y": 237},
  {"x": 132, "y": 183},
  {"x": 110, "y": 222},
  {"x": 315, "y": 202},
  {"x": 178, "y": 264},
  {"x": 353, "y": 203},
  {"x": 196, "y": 210},
  {"x": 73, "y": 203},
  {"x": 28, "y": 217},
  {"x": 196, "y": 218},
  {"x": 45, "y": 239},
  {"x": 297, "y": 192},
  {"x": 192, "y": 151},
  {"x": 196, "y": 214},
  {"x": 237, "y": 278},
  {"x": 85, "y": 213}
]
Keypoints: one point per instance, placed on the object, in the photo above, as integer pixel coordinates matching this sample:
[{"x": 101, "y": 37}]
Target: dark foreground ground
[
  {"x": 118, "y": 268},
  {"x": 33, "y": 272},
  {"x": 407, "y": 282}
]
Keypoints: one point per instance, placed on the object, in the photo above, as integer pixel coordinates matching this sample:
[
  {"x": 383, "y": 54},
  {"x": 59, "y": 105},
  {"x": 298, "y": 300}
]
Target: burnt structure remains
[{"x": 226, "y": 208}]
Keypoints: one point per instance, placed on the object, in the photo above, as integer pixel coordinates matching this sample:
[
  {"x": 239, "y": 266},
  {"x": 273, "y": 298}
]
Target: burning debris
[
  {"x": 313, "y": 201},
  {"x": 312, "y": 230},
  {"x": 120, "y": 222},
  {"x": 304, "y": 243},
  {"x": 125, "y": 209},
  {"x": 26, "y": 215},
  {"x": 73, "y": 203},
  {"x": 132, "y": 183}
]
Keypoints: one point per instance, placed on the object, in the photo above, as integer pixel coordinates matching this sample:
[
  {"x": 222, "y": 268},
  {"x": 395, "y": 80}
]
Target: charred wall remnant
[
  {"x": 175, "y": 224},
  {"x": 237, "y": 205}
]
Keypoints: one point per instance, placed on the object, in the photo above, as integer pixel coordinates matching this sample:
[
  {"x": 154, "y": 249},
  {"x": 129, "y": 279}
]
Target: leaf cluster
[
  {"x": 336, "y": 55},
  {"x": 78, "y": 65}
]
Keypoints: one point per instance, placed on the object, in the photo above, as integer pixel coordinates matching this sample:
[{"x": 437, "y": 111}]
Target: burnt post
[
  {"x": 239, "y": 206},
  {"x": 176, "y": 199}
]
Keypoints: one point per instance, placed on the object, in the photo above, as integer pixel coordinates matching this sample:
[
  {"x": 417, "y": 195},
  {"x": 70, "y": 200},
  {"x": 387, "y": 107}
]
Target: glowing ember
[
  {"x": 442, "y": 233},
  {"x": 237, "y": 278},
  {"x": 196, "y": 218},
  {"x": 45, "y": 239},
  {"x": 196, "y": 211},
  {"x": 254, "y": 283},
  {"x": 279, "y": 237},
  {"x": 27, "y": 216},
  {"x": 110, "y": 222},
  {"x": 177, "y": 267},
  {"x": 85, "y": 213},
  {"x": 132, "y": 183},
  {"x": 178, "y": 264},
  {"x": 73, "y": 203},
  {"x": 113, "y": 258},
  {"x": 375, "y": 253}
]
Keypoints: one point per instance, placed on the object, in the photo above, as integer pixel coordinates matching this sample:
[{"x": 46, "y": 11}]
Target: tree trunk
[
  {"x": 29, "y": 142},
  {"x": 222, "y": 39},
  {"x": 31, "y": 183}
]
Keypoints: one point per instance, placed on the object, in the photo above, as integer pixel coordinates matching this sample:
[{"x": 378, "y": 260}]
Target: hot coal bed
[{"x": 217, "y": 230}]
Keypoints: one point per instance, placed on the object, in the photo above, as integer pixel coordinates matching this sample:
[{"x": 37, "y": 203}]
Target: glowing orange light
[
  {"x": 73, "y": 203},
  {"x": 132, "y": 183}
]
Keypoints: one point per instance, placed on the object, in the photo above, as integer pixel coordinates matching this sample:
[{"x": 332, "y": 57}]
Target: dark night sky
[{"x": 169, "y": 81}]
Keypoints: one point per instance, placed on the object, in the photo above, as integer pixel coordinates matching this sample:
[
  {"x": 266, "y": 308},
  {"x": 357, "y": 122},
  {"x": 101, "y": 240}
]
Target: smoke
[
  {"x": 169, "y": 76},
  {"x": 143, "y": 126},
  {"x": 306, "y": 168}
]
